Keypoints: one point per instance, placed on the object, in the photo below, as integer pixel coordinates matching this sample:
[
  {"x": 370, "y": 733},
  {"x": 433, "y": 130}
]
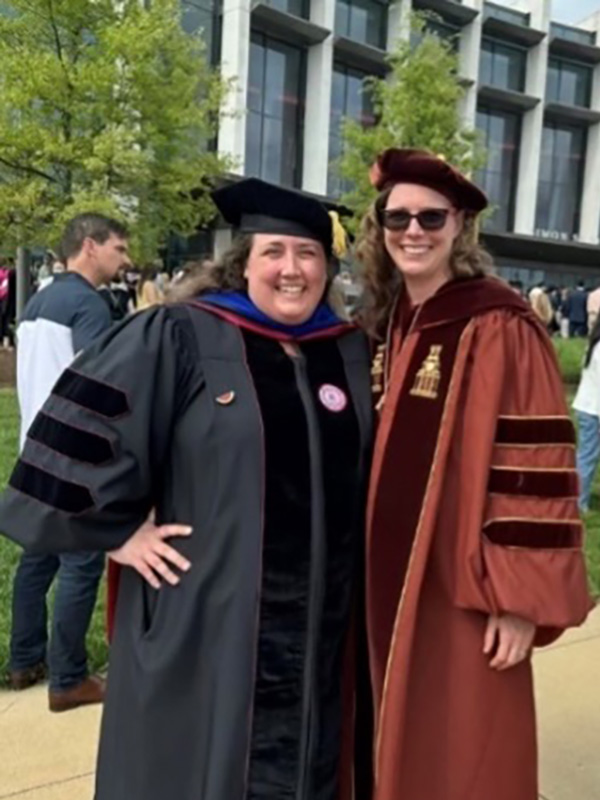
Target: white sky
[{"x": 573, "y": 10}]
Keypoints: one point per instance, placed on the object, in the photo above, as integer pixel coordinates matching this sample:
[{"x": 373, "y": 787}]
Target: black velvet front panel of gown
[
  {"x": 277, "y": 720},
  {"x": 276, "y": 757},
  {"x": 344, "y": 511}
]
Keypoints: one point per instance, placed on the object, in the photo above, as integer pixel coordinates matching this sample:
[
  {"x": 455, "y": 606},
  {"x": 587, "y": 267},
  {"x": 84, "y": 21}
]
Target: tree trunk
[{"x": 23, "y": 280}]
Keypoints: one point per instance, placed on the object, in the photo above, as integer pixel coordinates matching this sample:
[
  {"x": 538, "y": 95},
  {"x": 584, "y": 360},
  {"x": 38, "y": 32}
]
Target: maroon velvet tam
[{"x": 404, "y": 165}]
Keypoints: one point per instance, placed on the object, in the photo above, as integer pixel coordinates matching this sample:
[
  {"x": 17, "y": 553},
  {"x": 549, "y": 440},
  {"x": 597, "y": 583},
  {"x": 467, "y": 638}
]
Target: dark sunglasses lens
[
  {"x": 432, "y": 220},
  {"x": 396, "y": 220}
]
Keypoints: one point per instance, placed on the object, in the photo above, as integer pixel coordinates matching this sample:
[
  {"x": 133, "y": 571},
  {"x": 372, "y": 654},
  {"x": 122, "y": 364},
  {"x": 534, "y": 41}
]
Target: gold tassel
[{"x": 339, "y": 237}]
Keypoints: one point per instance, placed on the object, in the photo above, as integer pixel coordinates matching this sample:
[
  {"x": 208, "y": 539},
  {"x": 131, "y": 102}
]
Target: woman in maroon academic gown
[{"x": 474, "y": 549}]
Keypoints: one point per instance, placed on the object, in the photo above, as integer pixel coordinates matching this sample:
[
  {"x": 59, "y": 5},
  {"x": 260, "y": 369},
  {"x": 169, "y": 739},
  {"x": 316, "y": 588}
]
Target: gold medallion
[{"x": 427, "y": 379}]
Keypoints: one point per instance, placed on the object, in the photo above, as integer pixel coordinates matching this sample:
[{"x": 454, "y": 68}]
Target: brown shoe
[
  {"x": 19, "y": 679},
  {"x": 89, "y": 691}
]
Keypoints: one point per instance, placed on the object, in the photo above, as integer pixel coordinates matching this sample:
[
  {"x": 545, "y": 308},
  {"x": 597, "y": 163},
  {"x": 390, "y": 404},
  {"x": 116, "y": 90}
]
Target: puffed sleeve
[
  {"x": 86, "y": 476},
  {"x": 527, "y": 548}
]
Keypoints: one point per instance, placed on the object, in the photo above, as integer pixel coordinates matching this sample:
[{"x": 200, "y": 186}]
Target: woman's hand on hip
[
  {"x": 148, "y": 553},
  {"x": 512, "y": 638}
]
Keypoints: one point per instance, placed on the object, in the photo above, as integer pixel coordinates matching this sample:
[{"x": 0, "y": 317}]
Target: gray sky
[{"x": 573, "y": 10}]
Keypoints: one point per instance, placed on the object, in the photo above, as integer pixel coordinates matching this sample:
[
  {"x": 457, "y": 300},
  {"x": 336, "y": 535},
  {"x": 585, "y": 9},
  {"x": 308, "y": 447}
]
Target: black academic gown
[{"x": 228, "y": 686}]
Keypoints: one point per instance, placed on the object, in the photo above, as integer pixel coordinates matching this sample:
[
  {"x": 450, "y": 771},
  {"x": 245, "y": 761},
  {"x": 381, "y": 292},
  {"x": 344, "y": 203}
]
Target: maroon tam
[{"x": 405, "y": 165}]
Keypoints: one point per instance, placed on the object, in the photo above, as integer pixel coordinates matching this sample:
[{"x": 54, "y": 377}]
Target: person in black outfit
[{"x": 576, "y": 311}]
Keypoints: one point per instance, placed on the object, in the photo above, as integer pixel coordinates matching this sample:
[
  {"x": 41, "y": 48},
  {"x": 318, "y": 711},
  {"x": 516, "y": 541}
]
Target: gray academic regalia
[{"x": 228, "y": 686}]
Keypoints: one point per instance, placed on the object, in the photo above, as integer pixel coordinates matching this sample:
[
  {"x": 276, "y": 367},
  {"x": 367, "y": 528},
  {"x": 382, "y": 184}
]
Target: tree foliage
[
  {"x": 107, "y": 106},
  {"x": 416, "y": 105}
]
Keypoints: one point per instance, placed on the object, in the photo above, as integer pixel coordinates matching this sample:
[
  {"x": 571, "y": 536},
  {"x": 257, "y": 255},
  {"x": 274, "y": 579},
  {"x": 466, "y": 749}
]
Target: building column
[
  {"x": 590, "y": 202},
  {"x": 532, "y": 124},
  {"x": 470, "y": 49},
  {"x": 222, "y": 242},
  {"x": 317, "y": 115},
  {"x": 235, "y": 58},
  {"x": 540, "y": 12},
  {"x": 398, "y": 30}
]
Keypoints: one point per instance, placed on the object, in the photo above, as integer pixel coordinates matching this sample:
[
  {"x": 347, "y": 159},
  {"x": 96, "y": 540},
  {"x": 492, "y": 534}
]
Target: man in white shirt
[{"x": 58, "y": 322}]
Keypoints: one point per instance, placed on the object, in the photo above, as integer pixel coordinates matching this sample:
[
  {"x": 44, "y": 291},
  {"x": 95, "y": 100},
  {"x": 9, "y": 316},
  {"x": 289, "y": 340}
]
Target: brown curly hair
[
  {"x": 381, "y": 277},
  {"x": 228, "y": 274}
]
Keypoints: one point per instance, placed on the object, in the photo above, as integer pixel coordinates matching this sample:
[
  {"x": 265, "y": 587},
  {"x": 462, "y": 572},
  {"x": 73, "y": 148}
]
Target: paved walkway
[
  {"x": 568, "y": 702},
  {"x": 47, "y": 756}
]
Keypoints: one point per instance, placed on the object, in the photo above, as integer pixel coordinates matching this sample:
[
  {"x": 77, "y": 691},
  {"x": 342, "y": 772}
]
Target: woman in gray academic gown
[{"x": 246, "y": 415}]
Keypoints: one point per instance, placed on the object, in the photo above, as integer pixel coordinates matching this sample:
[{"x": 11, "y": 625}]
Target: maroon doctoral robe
[{"x": 472, "y": 511}]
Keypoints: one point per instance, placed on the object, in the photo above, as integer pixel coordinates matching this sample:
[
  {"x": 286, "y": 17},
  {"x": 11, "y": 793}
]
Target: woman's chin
[{"x": 288, "y": 315}]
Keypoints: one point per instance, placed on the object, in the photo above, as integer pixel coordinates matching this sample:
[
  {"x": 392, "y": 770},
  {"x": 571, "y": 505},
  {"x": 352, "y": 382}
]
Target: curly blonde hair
[
  {"x": 227, "y": 274},
  {"x": 381, "y": 277}
]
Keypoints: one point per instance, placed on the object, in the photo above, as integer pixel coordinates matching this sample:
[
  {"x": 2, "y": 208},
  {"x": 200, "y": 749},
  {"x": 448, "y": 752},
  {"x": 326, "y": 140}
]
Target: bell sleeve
[
  {"x": 87, "y": 476},
  {"x": 526, "y": 554}
]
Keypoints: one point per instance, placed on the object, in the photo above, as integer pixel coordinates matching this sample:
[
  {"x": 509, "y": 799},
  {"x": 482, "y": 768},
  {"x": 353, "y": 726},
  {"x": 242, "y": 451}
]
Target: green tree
[
  {"x": 106, "y": 105},
  {"x": 416, "y": 105}
]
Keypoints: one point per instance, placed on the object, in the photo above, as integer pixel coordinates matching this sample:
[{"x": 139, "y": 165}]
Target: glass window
[
  {"x": 202, "y": 15},
  {"x": 299, "y": 8},
  {"x": 561, "y": 180},
  {"x": 502, "y": 65},
  {"x": 505, "y": 14},
  {"x": 362, "y": 20},
  {"x": 348, "y": 101},
  {"x": 501, "y": 138},
  {"x": 572, "y": 34},
  {"x": 569, "y": 83},
  {"x": 445, "y": 31},
  {"x": 275, "y": 111}
]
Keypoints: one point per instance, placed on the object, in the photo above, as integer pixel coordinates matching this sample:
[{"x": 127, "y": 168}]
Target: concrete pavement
[
  {"x": 568, "y": 707},
  {"x": 47, "y": 756}
]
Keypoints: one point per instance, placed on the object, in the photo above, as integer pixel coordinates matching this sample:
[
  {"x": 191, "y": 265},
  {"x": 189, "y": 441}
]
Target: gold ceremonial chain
[{"x": 377, "y": 369}]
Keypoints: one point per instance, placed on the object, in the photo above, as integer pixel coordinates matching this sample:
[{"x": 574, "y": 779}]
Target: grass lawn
[
  {"x": 9, "y": 553},
  {"x": 570, "y": 353}
]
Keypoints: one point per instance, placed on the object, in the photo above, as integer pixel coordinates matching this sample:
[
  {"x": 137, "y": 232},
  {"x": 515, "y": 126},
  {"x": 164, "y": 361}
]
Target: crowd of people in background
[
  {"x": 566, "y": 312},
  {"x": 133, "y": 289}
]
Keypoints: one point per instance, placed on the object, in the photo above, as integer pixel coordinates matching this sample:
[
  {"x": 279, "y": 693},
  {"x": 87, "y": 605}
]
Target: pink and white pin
[{"x": 333, "y": 398}]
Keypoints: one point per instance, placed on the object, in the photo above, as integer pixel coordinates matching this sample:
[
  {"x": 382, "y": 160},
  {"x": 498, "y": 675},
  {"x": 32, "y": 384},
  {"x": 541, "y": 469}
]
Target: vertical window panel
[
  {"x": 276, "y": 109},
  {"x": 502, "y": 65},
  {"x": 561, "y": 179},
  {"x": 348, "y": 101},
  {"x": 569, "y": 83},
  {"x": 362, "y": 21},
  {"x": 501, "y": 138}
]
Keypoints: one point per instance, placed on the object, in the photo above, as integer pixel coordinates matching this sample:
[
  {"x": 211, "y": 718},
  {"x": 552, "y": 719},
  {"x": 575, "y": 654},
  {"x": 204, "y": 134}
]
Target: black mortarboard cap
[{"x": 255, "y": 206}]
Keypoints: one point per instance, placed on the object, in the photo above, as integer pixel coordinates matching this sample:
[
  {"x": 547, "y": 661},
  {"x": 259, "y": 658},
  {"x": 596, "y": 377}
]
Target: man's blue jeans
[
  {"x": 77, "y": 586},
  {"x": 588, "y": 455}
]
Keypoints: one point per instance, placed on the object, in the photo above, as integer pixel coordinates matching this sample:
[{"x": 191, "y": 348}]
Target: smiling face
[
  {"x": 422, "y": 256},
  {"x": 286, "y": 276}
]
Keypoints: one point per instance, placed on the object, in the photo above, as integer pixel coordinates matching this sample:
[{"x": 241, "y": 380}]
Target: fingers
[
  {"x": 159, "y": 566},
  {"x": 489, "y": 640},
  {"x": 149, "y": 554},
  {"x": 146, "y": 572},
  {"x": 165, "y": 531},
  {"x": 500, "y": 659},
  {"x": 168, "y": 553},
  {"x": 515, "y": 637}
]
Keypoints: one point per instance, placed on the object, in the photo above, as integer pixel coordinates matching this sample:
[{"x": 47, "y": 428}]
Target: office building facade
[{"x": 532, "y": 89}]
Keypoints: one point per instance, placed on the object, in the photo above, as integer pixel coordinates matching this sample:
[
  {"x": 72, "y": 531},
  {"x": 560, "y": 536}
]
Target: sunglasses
[{"x": 429, "y": 219}]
